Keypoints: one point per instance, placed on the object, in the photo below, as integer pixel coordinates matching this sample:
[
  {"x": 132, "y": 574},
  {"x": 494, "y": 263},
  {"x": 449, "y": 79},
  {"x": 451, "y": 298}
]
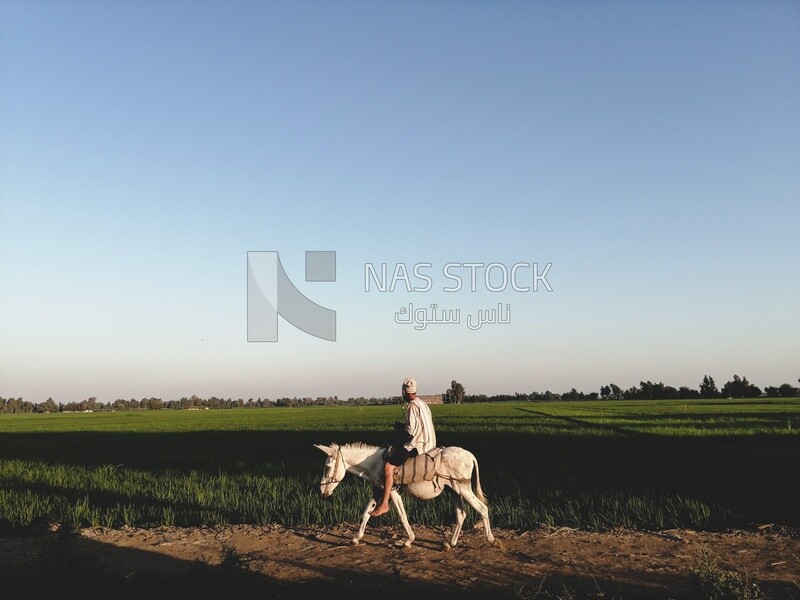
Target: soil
[{"x": 546, "y": 563}]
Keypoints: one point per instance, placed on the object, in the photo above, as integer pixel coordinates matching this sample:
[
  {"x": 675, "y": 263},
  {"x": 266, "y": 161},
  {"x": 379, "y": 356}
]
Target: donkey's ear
[{"x": 325, "y": 449}]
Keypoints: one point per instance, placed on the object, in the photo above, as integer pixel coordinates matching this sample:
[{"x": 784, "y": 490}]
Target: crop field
[{"x": 591, "y": 465}]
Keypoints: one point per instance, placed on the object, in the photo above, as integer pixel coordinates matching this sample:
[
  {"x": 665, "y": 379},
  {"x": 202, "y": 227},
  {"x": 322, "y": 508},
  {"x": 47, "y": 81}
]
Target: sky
[{"x": 647, "y": 150}]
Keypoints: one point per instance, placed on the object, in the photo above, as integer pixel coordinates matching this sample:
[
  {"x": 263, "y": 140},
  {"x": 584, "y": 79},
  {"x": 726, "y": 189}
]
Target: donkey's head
[{"x": 333, "y": 471}]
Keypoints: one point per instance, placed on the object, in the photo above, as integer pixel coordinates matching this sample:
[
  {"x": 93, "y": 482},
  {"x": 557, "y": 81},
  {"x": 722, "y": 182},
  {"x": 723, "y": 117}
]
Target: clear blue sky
[{"x": 648, "y": 150}]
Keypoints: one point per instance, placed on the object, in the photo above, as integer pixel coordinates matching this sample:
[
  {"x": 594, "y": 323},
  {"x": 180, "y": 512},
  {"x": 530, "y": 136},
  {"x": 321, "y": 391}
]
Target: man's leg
[{"x": 388, "y": 474}]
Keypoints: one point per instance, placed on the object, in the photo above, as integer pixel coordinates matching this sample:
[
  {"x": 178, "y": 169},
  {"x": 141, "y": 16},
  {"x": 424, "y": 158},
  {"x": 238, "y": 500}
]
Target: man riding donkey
[{"x": 411, "y": 439}]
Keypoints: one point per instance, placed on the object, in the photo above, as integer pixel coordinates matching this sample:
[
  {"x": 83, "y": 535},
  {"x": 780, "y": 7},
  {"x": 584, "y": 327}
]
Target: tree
[
  {"x": 50, "y": 406},
  {"x": 632, "y": 393},
  {"x": 687, "y": 393},
  {"x": 740, "y": 388},
  {"x": 670, "y": 393},
  {"x": 455, "y": 395},
  {"x": 708, "y": 389}
]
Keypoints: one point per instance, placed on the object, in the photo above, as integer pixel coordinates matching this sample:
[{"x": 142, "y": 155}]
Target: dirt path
[
  {"x": 632, "y": 563},
  {"x": 552, "y": 562}
]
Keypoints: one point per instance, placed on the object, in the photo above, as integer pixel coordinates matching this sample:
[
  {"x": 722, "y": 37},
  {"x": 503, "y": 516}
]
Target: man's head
[{"x": 409, "y": 389}]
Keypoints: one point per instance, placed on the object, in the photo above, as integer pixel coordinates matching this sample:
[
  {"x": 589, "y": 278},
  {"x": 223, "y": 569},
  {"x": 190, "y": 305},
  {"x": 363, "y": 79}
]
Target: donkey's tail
[{"x": 478, "y": 490}]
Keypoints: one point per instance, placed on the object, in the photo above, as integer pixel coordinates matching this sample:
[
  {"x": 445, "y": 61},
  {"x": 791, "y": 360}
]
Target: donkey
[{"x": 455, "y": 471}]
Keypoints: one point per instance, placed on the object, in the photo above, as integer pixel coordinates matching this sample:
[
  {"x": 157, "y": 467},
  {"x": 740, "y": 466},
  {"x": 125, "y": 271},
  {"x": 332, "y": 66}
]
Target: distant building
[{"x": 432, "y": 399}]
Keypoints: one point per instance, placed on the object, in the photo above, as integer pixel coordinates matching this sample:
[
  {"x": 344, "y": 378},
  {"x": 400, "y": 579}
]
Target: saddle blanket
[{"x": 419, "y": 468}]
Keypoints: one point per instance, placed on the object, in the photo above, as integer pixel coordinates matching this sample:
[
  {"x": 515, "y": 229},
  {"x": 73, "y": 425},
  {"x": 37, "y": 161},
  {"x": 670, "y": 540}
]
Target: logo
[
  {"x": 270, "y": 293},
  {"x": 493, "y": 277}
]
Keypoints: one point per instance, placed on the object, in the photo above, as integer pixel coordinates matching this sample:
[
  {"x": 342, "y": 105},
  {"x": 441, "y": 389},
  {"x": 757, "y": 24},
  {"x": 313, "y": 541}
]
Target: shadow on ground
[{"x": 63, "y": 564}]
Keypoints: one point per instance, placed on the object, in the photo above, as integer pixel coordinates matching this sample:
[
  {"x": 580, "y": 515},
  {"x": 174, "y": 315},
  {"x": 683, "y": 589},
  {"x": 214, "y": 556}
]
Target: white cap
[{"x": 410, "y": 385}]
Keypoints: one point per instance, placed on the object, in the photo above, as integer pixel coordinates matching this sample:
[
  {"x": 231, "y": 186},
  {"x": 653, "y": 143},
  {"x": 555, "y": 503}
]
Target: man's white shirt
[{"x": 419, "y": 425}]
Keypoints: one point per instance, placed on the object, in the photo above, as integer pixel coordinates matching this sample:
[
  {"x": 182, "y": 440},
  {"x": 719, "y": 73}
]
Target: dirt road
[{"x": 546, "y": 563}]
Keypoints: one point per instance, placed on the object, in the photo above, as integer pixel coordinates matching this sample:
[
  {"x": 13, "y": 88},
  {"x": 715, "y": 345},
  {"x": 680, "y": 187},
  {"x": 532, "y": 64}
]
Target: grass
[
  {"x": 717, "y": 583},
  {"x": 593, "y": 465}
]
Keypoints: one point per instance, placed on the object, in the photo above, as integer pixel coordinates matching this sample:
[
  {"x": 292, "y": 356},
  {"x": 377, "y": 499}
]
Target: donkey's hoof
[
  {"x": 497, "y": 543},
  {"x": 446, "y": 547},
  {"x": 354, "y": 542}
]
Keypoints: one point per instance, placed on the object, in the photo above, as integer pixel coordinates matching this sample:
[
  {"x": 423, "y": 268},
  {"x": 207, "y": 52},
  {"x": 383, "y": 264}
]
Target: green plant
[{"x": 717, "y": 583}]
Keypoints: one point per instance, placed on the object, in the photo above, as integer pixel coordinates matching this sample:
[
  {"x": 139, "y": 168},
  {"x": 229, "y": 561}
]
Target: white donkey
[{"x": 455, "y": 471}]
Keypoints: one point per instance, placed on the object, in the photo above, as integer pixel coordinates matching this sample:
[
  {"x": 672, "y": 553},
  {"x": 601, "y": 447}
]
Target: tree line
[
  {"x": 738, "y": 387},
  {"x": 18, "y": 405}
]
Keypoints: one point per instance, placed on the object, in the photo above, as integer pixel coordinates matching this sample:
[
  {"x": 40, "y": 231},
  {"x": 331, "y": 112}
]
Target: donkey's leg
[
  {"x": 401, "y": 510},
  {"x": 364, "y": 518},
  {"x": 483, "y": 510},
  {"x": 461, "y": 514}
]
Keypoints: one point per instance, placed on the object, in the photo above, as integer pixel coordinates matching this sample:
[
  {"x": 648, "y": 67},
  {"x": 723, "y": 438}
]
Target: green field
[{"x": 595, "y": 465}]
